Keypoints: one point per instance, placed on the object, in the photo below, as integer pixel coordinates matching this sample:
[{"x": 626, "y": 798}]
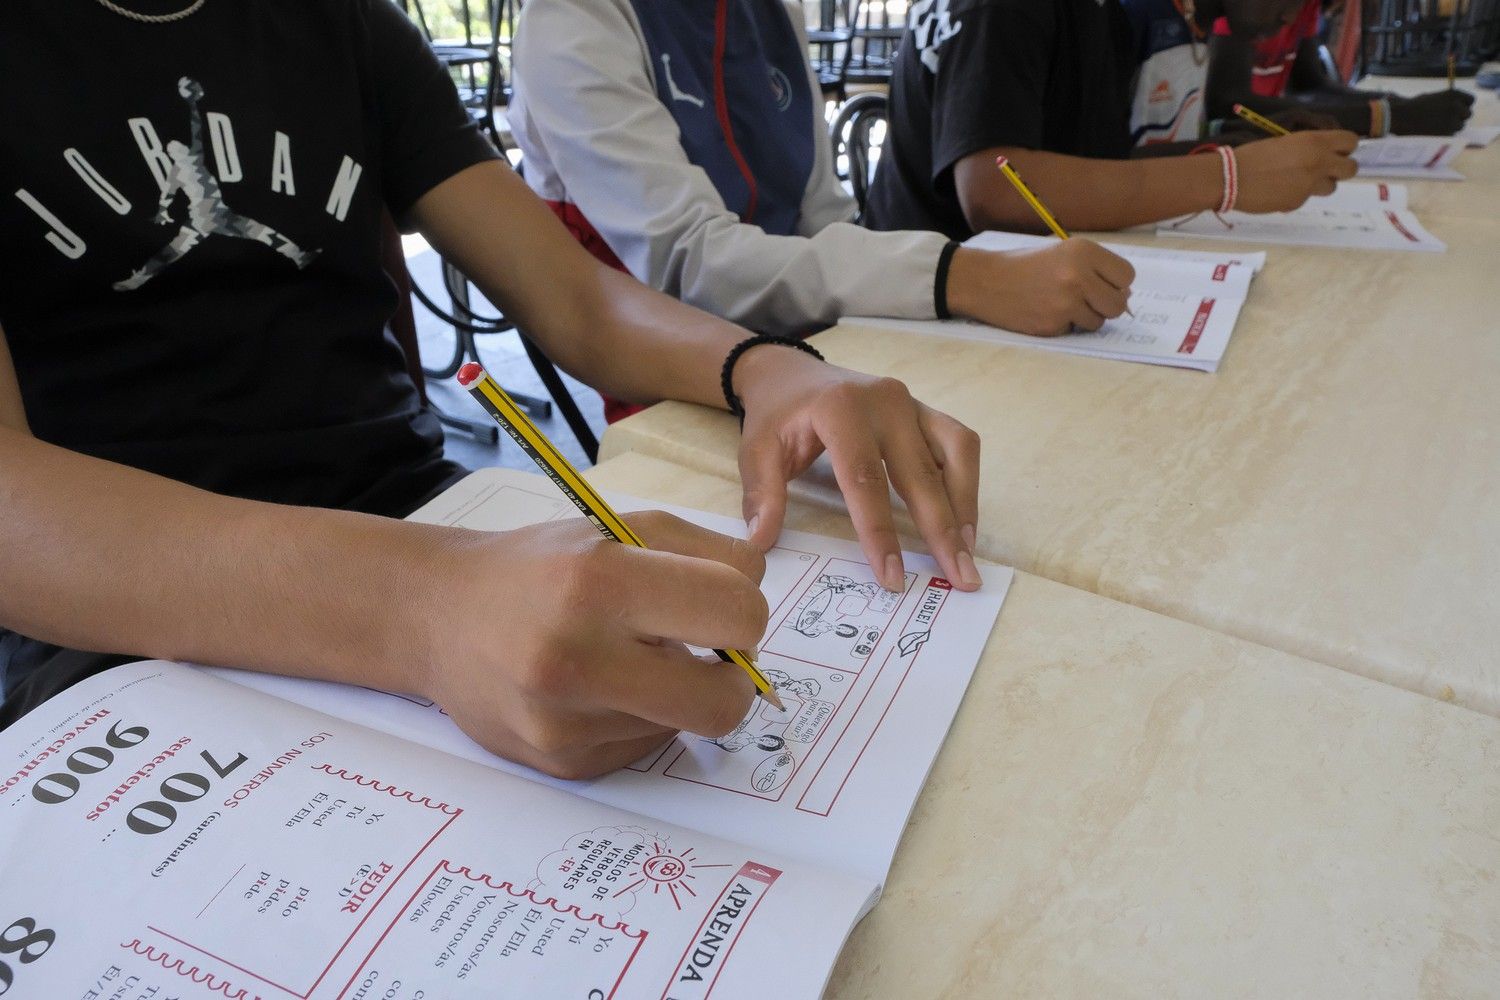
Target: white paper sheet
[
  {"x": 167, "y": 834},
  {"x": 1185, "y": 302},
  {"x": 1388, "y": 229},
  {"x": 870, "y": 681},
  {"x": 1422, "y": 156},
  {"x": 1479, "y": 136},
  {"x": 1354, "y": 196}
]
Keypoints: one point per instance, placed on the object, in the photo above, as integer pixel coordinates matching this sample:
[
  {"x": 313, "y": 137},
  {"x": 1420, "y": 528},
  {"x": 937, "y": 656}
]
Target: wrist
[
  {"x": 965, "y": 280},
  {"x": 368, "y": 595},
  {"x": 761, "y": 362},
  {"x": 766, "y": 367}
]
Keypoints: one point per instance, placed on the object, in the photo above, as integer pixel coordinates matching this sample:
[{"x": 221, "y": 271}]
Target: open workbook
[
  {"x": 172, "y": 831},
  {"x": 1356, "y": 216},
  {"x": 1185, "y": 303}
]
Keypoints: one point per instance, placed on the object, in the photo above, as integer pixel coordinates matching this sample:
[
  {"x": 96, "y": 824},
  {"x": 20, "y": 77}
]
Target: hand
[
  {"x": 1043, "y": 292},
  {"x": 1442, "y": 112},
  {"x": 876, "y": 436},
  {"x": 1278, "y": 175},
  {"x": 562, "y": 650}
]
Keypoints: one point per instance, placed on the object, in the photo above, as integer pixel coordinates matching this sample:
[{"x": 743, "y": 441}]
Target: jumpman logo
[
  {"x": 207, "y": 215},
  {"x": 677, "y": 95}
]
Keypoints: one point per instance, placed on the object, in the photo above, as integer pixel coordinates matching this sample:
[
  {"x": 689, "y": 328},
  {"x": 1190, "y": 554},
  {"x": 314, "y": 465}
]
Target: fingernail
[
  {"x": 751, "y": 525},
  {"x": 895, "y": 573},
  {"x": 968, "y": 572},
  {"x": 967, "y": 531}
]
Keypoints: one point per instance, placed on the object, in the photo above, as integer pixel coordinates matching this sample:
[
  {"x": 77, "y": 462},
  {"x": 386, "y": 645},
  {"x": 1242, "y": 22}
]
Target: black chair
[
  {"x": 1417, "y": 37},
  {"x": 465, "y": 59},
  {"x": 466, "y": 325},
  {"x": 828, "y": 43},
  {"x": 870, "y": 55},
  {"x": 856, "y": 134}
]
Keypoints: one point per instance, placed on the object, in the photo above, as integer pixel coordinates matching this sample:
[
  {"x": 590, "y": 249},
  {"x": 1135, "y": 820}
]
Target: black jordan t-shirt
[
  {"x": 190, "y": 278},
  {"x": 190, "y": 220}
]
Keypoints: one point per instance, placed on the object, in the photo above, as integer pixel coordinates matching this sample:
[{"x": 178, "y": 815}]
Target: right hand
[
  {"x": 1044, "y": 291},
  {"x": 1442, "y": 112},
  {"x": 1278, "y": 175},
  {"x": 562, "y": 650}
]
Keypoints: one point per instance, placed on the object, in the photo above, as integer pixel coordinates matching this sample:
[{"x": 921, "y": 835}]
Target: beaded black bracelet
[{"x": 726, "y": 377}]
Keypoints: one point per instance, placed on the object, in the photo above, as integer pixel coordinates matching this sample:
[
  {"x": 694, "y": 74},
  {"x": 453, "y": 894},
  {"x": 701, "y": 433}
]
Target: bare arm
[
  {"x": 1274, "y": 175},
  {"x": 1085, "y": 194},
  {"x": 604, "y": 327},
  {"x": 624, "y": 338},
  {"x": 166, "y": 570},
  {"x": 1231, "y": 59},
  {"x": 12, "y": 412}
]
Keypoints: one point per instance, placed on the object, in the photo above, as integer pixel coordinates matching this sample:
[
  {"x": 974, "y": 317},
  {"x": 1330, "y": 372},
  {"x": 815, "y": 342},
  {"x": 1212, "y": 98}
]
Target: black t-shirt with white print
[
  {"x": 190, "y": 222},
  {"x": 1054, "y": 75}
]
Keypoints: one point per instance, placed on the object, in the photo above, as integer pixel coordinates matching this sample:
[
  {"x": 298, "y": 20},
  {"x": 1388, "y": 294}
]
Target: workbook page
[
  {"x": 1479, "y": 136},
  {"x": 1427, "y": 157},
  {"x": 164, "y": 834},
  {"x": 1185, "y": 306},
  {"x": 1314, "y": 226},
  {"x": 869, "y": 681}
]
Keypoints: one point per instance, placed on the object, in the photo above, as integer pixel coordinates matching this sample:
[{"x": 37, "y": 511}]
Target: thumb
[{"x": 763, "y": 475}]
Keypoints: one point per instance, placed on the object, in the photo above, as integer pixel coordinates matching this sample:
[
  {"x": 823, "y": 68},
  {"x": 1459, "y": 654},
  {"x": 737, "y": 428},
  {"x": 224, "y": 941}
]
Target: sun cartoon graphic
[{"x": 669, "y": 871}]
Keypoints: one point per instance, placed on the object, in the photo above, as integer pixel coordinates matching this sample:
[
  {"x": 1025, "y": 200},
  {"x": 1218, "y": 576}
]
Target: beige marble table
[
  {"x": 1131, "y": 806},
  {"x": 1333, "y": 492}
]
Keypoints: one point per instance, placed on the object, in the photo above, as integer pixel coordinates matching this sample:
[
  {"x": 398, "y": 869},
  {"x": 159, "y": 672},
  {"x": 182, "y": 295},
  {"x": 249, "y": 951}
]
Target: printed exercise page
[
  {"x": 1479, "y": 136},
  {"x": 1185, "y": 306},
  {"x": 1428, "y": 157},
  {"x": 1314, "y": 226},
  {"x": 166, "y": 834},
  {"x": 869, "y": 680}
]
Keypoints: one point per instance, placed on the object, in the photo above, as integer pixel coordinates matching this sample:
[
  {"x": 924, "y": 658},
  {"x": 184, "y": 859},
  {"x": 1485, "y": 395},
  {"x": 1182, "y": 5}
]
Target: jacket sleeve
[{"x": 588, "y": 102}]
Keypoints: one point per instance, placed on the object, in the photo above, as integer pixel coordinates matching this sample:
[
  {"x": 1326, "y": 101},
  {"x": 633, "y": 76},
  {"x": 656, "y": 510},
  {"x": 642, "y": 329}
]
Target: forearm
[
  {"x": 646, "y": 346},
  {"x": 98, "y": 556},
  {"x": 1085, "y": 194},
  {"x": 601, "y": 326},
  {"x": 1350, "y": 108}
]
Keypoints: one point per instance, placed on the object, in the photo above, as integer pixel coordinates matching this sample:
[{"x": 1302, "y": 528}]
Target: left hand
[{"x": 876, "y": 435}]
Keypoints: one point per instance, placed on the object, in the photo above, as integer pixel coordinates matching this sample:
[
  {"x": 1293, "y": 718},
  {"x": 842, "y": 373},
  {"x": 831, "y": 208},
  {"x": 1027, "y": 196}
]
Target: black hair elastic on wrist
[
  {"x": 940, "y": 281},
  {"x": 726, "y": 377}
]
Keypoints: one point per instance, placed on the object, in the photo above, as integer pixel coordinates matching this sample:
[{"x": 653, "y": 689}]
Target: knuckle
[
  {"x": 747, "y": 559},
  {"x": 869, "y": 474},
  {"x": 549, "y": 676},
  {"x": 891, "y": 388},
  {"x": 968, "y": 441}
]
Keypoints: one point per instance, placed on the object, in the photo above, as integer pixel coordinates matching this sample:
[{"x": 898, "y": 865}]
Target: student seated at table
[
  {"x": 685, "y": 142},
  {"x": 1072, "y": 92},
  {"x": 201, "y": 410},
  {"x": 1283, "y": 71}
]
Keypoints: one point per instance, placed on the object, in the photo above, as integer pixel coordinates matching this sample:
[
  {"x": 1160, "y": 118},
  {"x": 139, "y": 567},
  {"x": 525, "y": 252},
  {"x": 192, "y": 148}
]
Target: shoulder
[{"x": 589, "y": 16}]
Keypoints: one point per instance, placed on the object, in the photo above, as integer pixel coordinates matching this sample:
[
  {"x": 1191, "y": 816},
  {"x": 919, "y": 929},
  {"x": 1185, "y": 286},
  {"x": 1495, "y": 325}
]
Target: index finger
[
  {"x": 671, "y": 687},
  {"x": 860, "y": 471},
  {"x": 1113, "y": 268}
]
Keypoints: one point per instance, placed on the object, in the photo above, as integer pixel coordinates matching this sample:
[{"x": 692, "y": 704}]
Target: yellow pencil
[
  {"x": 1036, "y": 204},
  {"x": 1031, "y": 199},
  {"x": 535, "y": 444},
  {"x": 1260, "y": 121}
]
